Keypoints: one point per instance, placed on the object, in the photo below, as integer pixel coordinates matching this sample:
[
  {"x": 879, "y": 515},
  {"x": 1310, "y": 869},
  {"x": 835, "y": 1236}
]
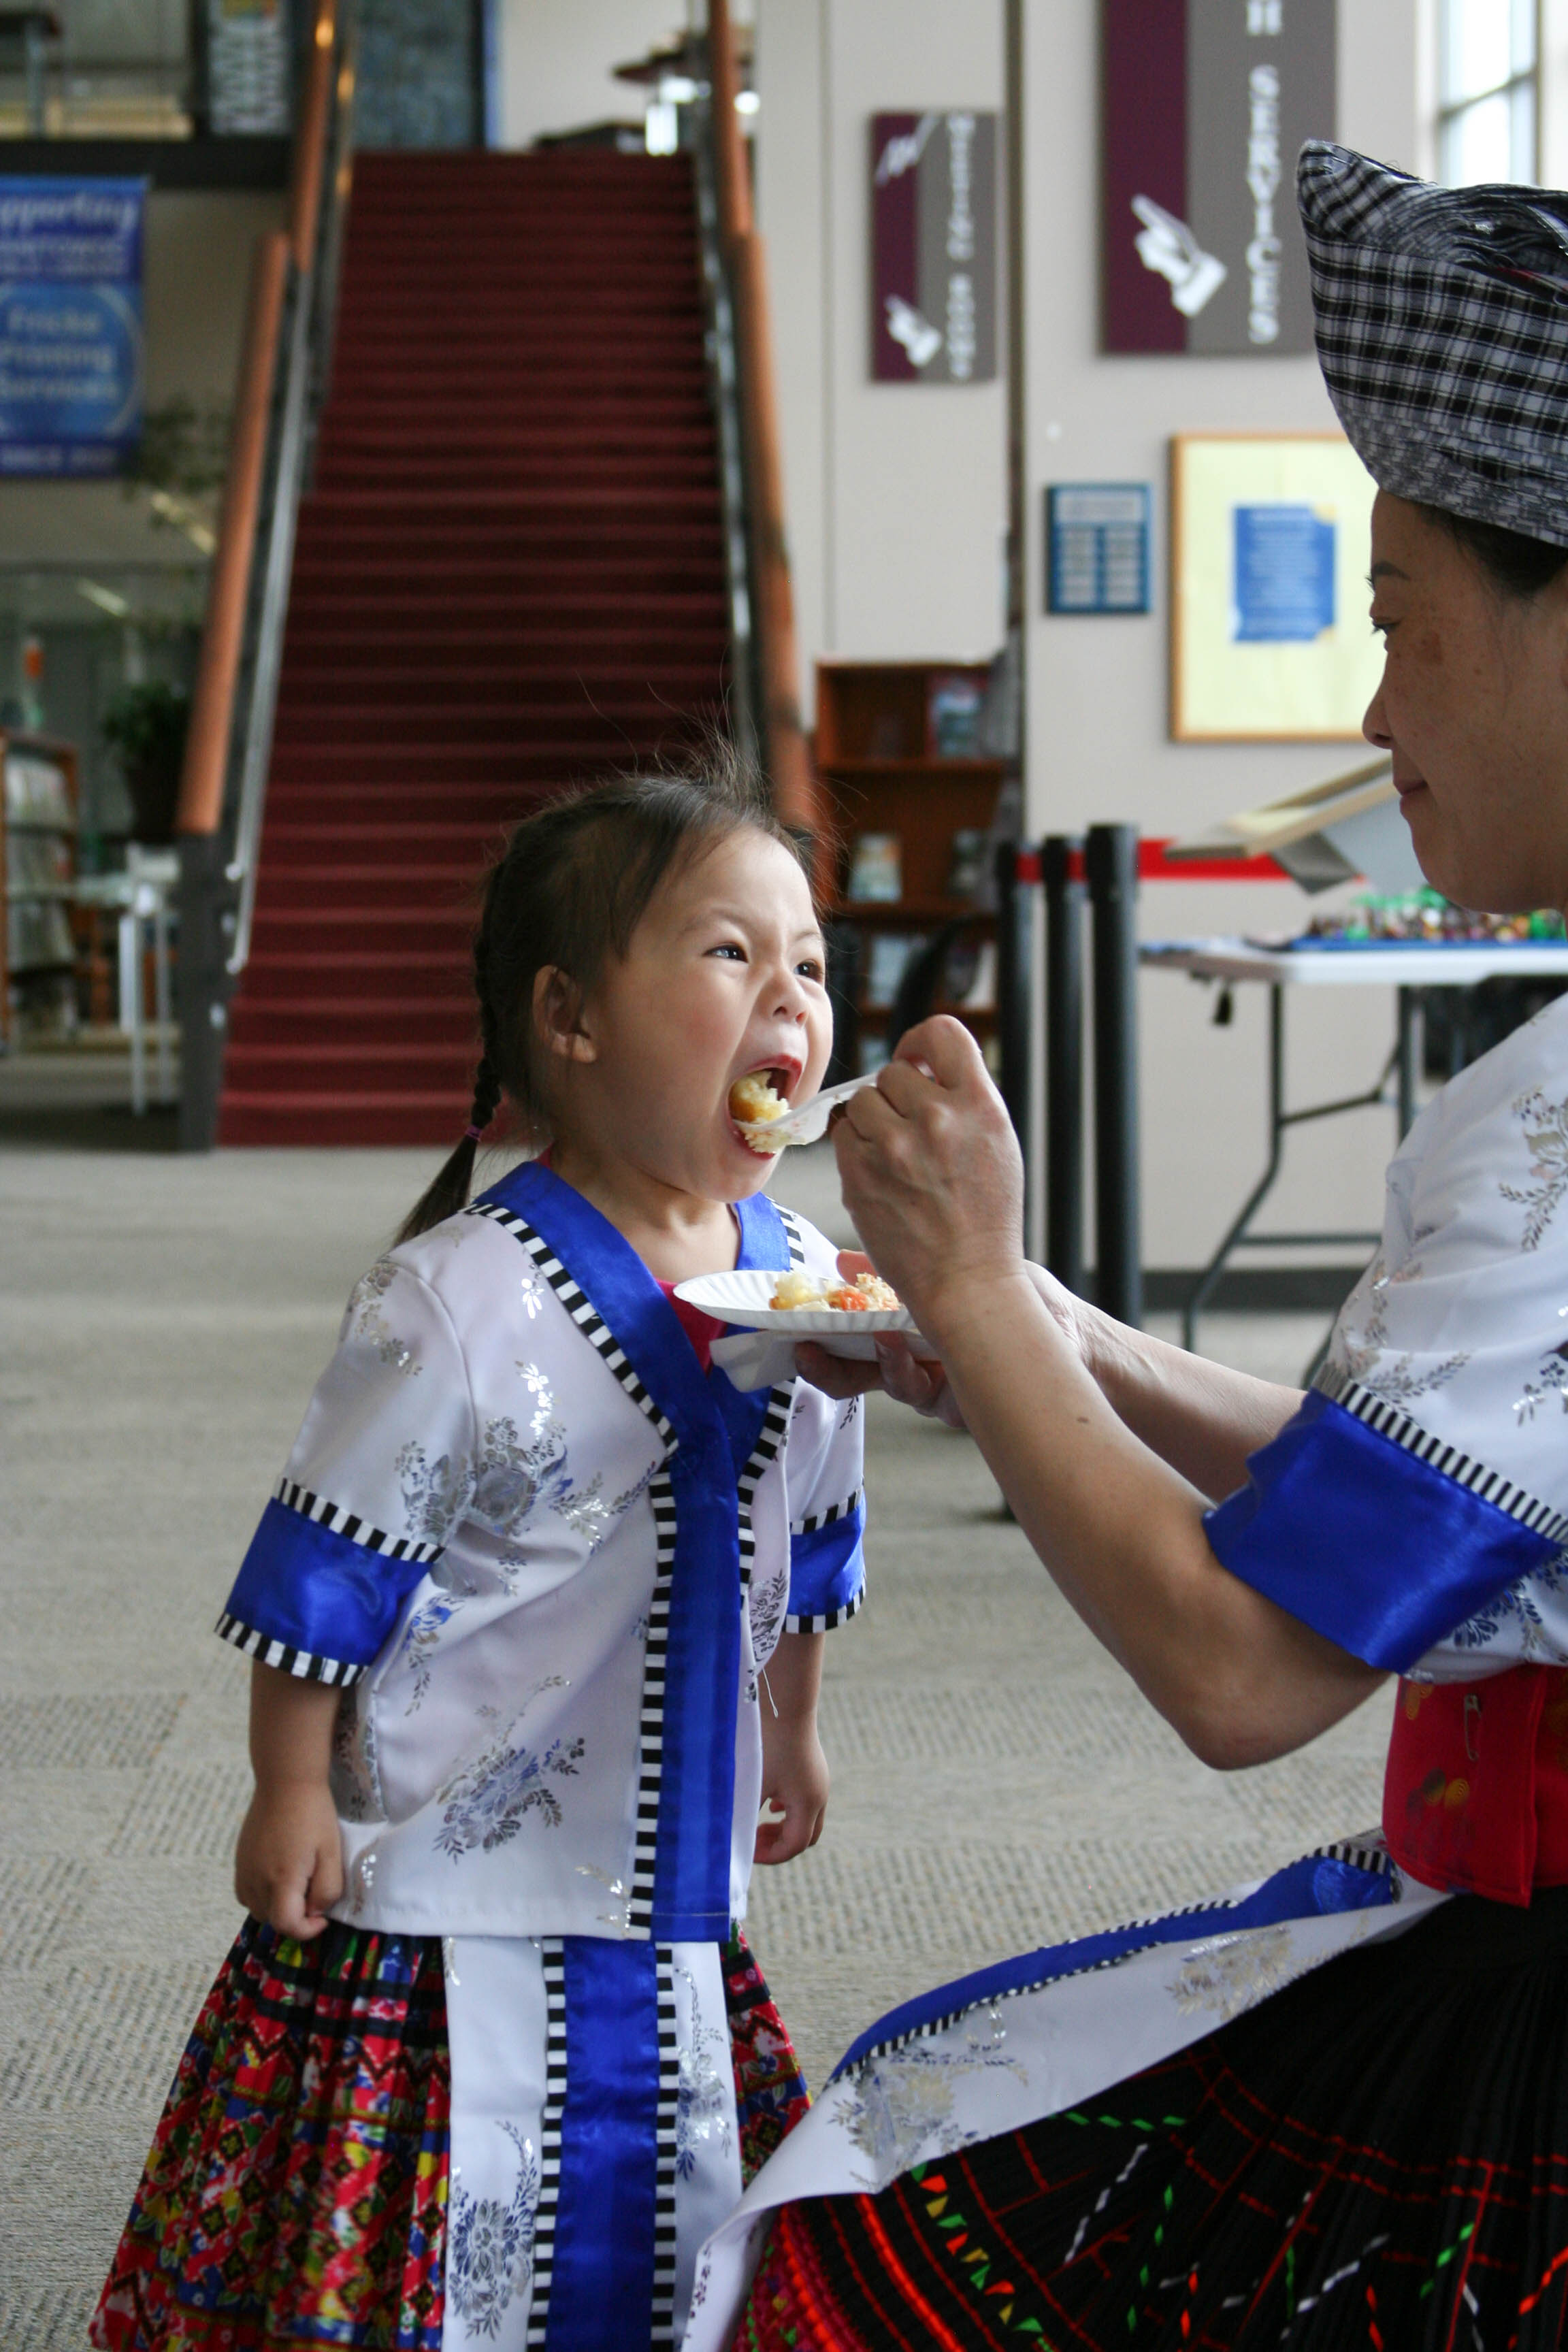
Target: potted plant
[{"x": 146, "y": 726}]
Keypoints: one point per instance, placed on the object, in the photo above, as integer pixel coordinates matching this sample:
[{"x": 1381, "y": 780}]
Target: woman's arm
[{"x": 931, "y": 1176}]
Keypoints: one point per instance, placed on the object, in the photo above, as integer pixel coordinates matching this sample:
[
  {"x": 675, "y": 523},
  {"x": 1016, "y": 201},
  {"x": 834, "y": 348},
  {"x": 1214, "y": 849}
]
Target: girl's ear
[{"x": 558, "y": 1011}]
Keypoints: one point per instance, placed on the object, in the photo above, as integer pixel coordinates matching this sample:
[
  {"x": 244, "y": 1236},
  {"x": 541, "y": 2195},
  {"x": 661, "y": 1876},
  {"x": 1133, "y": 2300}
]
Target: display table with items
[{"x": 1411, "y": 942}]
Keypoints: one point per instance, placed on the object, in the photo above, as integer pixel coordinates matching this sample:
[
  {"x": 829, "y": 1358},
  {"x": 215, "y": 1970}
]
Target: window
[{"x": 1488, "y": 69}]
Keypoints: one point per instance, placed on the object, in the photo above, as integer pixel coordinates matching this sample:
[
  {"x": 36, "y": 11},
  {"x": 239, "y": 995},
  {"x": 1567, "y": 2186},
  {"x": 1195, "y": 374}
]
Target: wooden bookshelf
[
  {"x": 896, "y": 755},
  {"x": 37, "y": 870}
]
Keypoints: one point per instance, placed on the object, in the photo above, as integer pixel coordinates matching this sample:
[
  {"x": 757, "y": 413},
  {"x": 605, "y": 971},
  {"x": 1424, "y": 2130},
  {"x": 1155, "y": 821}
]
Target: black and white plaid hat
[{"x": 1442, "y": 321}]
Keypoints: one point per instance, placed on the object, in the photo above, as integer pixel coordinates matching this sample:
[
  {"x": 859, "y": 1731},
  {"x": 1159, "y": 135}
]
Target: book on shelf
[
  {"x": 955, "y": 712},
  {"x": 876, "y": 870}
]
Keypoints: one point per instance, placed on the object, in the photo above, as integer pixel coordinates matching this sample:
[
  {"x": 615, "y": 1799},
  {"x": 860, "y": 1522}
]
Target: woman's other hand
[
  {"x": 931, "y": 1172},
  {"x": 912, "y": 1380}
]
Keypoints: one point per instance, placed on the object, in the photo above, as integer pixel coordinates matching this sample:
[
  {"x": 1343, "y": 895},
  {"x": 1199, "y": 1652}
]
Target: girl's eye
[
  {"x": 728, "y": 947},
  {"x": 810, "y": 970}
]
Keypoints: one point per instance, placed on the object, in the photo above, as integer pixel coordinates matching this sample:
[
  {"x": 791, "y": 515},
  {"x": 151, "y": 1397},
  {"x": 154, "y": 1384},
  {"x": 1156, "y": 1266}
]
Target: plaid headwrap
[{"x": 1442, "y": 321}]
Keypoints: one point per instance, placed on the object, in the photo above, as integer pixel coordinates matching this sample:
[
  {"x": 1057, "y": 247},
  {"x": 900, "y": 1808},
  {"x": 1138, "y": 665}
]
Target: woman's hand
[
  {"x": 287, "y": 1866},
  {"x": 932, "y": 1172},
  {"x": 909, "y": 1378}
]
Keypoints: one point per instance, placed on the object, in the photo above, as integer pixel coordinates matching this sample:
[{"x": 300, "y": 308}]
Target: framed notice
[
  {"x": 1096, "y": 547},
  {"x": 1269, "y": 538},
  {"x": 1206, "y": 104},
  {"x": 933, "y": 248}
]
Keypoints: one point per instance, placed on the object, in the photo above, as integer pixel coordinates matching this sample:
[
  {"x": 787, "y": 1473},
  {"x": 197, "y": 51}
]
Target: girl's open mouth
[{"x": 762, "y": 1096}]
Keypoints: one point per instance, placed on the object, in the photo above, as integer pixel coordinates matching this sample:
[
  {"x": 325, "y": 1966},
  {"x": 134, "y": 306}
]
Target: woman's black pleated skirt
[{"x": 1376, "y": 2157}]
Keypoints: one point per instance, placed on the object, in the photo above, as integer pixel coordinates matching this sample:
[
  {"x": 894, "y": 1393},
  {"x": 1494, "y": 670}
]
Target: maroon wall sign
[
  {"x": 1206, "y": 103},
  {"x": 933, "y": 248}
]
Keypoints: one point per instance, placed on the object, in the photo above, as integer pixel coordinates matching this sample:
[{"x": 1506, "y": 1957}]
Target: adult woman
[{"x": 1333, "y": 2108}]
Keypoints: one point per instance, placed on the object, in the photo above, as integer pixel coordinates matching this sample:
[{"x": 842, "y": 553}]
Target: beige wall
[
  {"x": 896, "y": 498},
  {"x": 555, "y": 59}
]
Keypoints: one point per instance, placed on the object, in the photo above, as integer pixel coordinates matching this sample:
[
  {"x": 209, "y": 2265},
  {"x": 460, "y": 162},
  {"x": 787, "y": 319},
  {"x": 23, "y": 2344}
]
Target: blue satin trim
[
  {"x": 702, "y": 1670},
  {"x": 601, "y": 2286},
  {"x": 827, "y": 1566},
  {"x": 1359, "y": 1539},
  {"x": 318, "y": 1591},
  {"x": 1315, "y": 1887}
]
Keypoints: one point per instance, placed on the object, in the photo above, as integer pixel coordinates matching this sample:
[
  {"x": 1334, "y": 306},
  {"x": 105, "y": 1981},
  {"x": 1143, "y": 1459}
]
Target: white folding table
[{"x": 1406, "y": 966}]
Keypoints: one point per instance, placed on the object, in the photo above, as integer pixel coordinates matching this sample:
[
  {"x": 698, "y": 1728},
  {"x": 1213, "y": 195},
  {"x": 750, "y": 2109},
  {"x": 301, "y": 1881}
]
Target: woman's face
[{"x": 1474, "y": 708}]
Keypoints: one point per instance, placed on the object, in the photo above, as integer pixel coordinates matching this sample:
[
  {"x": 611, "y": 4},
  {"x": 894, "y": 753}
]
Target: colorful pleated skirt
[
  {"x": 1374, "y": 2156},
  {"x": 297, "y": 2194}
]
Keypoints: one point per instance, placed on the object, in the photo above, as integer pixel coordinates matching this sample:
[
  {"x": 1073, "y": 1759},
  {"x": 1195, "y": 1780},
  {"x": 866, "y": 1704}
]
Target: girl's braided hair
[{"x": 568, "y": 890}]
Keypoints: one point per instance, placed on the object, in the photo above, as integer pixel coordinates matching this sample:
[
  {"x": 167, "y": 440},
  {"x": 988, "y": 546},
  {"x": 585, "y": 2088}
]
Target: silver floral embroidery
[
  {"x": 1227, "y": 1974},
  {"x": 532, "y": 1294},
  {"x": 1515, "y": 1607},
  {"x": 702, "y": 2110},
  {"x": 1550, "y": 1380},
  {"x": 768, "y": 1602},
  {"x": 489, "y": 2246},
  {"x": 370, "y": 1324},
  {"x": 488, "y": 1801},
  {"x": 901, "y": 2105},
  {"x": 434, "y": 1493},
  {"x": 362, "y": 1878},
  {"x": 1399, "y": 1382},
  {"x": 1546, "y": 1136},
  {"x": 422, "y": 1638},
  {"x": 511, "y": 1471},
  {"x": 354, "y": 1789}
]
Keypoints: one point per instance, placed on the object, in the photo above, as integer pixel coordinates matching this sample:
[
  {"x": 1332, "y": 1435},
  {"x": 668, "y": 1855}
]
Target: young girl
[{"x": 536, "y": 1611}]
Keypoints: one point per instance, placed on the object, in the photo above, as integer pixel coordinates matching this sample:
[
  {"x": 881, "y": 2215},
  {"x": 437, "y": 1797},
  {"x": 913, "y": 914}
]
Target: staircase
[{"x": 508, "y": 575}]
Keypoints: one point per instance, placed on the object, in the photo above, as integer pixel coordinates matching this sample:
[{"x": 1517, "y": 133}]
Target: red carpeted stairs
[{"x": 508, "y": 575}]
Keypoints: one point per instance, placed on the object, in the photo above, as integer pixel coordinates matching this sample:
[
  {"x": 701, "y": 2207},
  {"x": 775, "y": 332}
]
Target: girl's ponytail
[{"x": 454, "y": 1178}]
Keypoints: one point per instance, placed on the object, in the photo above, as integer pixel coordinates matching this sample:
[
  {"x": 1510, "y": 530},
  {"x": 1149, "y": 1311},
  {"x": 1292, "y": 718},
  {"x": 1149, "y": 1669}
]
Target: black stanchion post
[
  {"x": 1110, "y": 860},
  {"x": 1063, "y": 1057},
  {"x": 1013, "y": 988}
]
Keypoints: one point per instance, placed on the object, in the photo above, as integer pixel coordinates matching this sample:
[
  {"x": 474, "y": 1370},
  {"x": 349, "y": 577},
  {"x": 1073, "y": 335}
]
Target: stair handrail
[
  {"x": 785, "y": 753},
  {"x": 282, "y": 378}
]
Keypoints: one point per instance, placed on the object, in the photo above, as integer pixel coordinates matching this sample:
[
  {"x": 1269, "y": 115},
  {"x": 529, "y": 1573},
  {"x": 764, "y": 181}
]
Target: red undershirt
[{"x": 700, "y": 1329}]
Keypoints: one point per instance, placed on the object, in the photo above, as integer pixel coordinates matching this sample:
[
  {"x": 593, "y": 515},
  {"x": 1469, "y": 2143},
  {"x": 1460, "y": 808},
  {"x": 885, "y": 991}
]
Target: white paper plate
[
  {"x": 805, "y": 1125},
  {"x": 743, "y": 1298}
]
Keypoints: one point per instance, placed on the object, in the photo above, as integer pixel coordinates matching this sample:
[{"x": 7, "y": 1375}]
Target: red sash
[{"x": 1476, "y": 1794}]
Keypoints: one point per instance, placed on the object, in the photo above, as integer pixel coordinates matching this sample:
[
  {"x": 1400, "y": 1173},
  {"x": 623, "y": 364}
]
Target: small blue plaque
[{"x": 1096, "y": 547}]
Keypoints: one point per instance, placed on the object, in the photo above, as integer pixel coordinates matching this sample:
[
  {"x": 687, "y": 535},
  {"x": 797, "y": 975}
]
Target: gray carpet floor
[{"x": 998, "y": 1784}]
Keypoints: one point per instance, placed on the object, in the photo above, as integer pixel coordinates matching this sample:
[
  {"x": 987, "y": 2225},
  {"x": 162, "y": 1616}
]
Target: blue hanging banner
[{"x": 70, "y": 325}]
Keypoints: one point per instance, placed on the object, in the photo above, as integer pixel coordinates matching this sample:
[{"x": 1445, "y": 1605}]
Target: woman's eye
[
  {"x": 811, "y": 969},
  {"x": 728, "y": 947}
]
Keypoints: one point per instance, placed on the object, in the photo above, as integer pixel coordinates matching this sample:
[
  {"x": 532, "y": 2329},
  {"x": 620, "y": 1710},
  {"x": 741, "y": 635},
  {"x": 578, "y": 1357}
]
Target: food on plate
[
  {"x": 868, "y": 1294},
  {"x": 754, "y": 1100}
]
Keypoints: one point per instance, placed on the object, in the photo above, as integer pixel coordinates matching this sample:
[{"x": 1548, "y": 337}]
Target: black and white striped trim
[
  {"x": 580, "y": 1307},
  {"x": 790, "y": 1224},
  {"x": 552, "y": 1957},
  {"x": 771, "y": 1436},
  {"x": 826, "y": 1619},
  {"x": 651, "y": 1758},
  {"x": 662, "y": 2329},
  {"x": 341, "y": 1521},
  {"x": 1531, "y": 1512},
  {"x": 303, "y": 1665},
  {"x": 1369, "y": 1855},
  {"x": 825, "y": 1518}
]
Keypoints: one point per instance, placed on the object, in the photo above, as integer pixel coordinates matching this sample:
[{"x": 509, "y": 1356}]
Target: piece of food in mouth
[
  {"x": 868, "y": 1294},
  {"x": 755, "y": 1101}
]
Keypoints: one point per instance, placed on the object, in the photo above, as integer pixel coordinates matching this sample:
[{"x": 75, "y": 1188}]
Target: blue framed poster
[
  {"x": 70, "y": 325},
  {"x": 1096, "y": 547}
]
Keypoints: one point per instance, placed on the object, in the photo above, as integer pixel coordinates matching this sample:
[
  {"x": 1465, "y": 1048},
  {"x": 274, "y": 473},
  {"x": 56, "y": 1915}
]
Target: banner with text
[
  {"x": 70, "y": 324},
  {"x": 1206, "y": 105},
  {"x": 933, "y": 248}
]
